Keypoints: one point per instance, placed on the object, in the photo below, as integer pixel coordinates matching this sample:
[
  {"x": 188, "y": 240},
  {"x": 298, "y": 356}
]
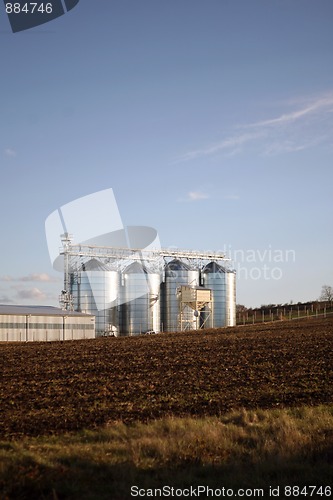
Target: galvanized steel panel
[
  {"x": 213, "y": 277},
  {"x": 177, "y": 273},
  {"x": 231, "y": 298},
  {"x": 140, "y": 300}
]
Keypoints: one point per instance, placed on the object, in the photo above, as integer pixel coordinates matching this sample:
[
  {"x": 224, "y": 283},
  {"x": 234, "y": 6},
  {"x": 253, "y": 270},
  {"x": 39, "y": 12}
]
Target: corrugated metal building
[{"x": 43, "y": 323}]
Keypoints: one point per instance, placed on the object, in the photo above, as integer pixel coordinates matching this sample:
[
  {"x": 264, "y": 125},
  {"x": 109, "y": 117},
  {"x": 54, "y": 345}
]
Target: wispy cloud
[
  {"x": 6, "y": 278},
  {"x": 17, "y": 289},
  {"x": 35, "y": 277},
  {"x": 32, "y": 293},
  {"x": 307, "y": 126},
  {"x": 4, "y": 299},
  {"x": 10, "y": 153},
  {"x": 320, "y": 105},
  {"x": 40, "y": 277},
  {"x": 195, "y": 196},
  {"x": 230, "y": 143}
]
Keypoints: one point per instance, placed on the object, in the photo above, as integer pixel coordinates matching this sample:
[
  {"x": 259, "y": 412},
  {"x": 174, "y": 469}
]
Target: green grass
[{"x": 242, "y": 449}]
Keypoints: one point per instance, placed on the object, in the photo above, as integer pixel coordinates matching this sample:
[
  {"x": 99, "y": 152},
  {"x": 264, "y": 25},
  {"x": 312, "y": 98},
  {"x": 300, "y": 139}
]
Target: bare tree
[{"x": 326, "y": 294}]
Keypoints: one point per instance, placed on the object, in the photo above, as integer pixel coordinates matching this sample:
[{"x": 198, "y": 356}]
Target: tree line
[{"x": 325, "y": 300}]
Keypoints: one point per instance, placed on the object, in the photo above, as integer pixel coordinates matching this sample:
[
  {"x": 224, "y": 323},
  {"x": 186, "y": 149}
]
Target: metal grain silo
[
  {"x": 177, "y": 273},
  {"x": 95, "y": 290},
  {"x": 230, "y": 298},
  {"x": 141, "y": 300},
  {"x": 214, "y": 277}
]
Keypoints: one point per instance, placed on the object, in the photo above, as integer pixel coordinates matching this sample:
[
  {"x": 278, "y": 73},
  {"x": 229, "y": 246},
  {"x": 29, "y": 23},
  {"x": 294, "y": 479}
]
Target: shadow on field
[{"x": 75, "y": 478}]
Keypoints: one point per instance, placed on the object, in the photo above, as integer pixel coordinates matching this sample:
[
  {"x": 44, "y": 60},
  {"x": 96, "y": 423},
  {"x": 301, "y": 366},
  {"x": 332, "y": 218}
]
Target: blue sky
[{"x": 211, "y": 120}]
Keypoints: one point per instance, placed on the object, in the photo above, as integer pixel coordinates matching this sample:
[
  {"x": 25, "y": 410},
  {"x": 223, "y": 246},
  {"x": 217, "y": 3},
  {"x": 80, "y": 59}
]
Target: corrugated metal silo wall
[
  {"x": 231, "y": 298},
  {"x": 96, "y": 292},
  {"x": 213, "y": 277},
  {"x": 140, "y": 300},
  {"x": 154, "y": 284},
  {"x": 177, "y": 273}
]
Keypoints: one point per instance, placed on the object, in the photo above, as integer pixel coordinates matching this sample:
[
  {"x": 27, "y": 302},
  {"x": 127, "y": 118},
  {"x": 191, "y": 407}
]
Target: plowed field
[{"x": 54, "y": 387}]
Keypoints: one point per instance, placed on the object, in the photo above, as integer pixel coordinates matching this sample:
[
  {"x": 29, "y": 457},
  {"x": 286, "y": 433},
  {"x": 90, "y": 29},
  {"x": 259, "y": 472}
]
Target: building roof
[{"x": 38, "y": 310}]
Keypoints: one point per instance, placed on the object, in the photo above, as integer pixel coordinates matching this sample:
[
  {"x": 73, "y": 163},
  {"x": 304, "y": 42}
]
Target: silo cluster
[{"x": 138, "y": 297}]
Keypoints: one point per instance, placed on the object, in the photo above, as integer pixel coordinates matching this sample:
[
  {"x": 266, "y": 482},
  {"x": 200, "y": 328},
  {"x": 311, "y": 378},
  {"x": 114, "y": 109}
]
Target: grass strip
[{"x": 242, "y": 449}]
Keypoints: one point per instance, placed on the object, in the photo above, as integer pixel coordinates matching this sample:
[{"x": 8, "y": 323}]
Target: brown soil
[{"x": 62, "y": 386}]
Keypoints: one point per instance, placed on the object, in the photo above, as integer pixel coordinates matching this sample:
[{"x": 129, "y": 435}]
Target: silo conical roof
[
  {"x": 94, "y": 265},
  {"x": 135, "y": 268},
  {"x": 176, "y": 265},
  {"x": 214, "y": 267}
]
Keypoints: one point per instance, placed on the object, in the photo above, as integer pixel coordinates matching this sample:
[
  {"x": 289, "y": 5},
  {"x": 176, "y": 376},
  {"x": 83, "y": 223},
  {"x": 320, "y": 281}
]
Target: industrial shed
[{"x": 43, "y": 323}]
